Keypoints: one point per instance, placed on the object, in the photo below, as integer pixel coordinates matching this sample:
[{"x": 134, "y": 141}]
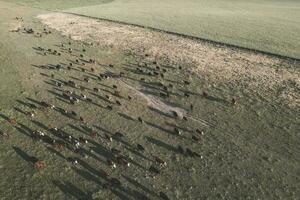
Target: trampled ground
[{"x": 71, "y": 80}]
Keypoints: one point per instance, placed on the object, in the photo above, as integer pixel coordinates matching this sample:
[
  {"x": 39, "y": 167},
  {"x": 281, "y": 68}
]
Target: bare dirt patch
[
  {"x": 156, "y": 103},
  {"x": 15, "y": 27},
  {"x": 219, "y": 63}
]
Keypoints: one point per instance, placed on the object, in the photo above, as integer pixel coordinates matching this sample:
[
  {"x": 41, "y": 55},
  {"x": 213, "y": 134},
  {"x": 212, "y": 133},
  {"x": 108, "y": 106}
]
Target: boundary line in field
[{"x": 213, "y": 42}]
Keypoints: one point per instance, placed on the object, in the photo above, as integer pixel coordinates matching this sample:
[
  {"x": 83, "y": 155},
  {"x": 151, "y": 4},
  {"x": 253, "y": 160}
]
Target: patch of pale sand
[
  {"x": 221, "y": 64},
  {"x": 167, "y": 109},
  {"x": 152, "y": 101},
  {"x": 15, "y": 26}
]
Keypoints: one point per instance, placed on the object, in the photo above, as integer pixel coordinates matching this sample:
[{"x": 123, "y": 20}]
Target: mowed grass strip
[{"x": 270, "y": 26}]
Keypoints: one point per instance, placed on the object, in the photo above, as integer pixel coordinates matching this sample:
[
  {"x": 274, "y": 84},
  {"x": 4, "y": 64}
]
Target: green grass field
[
  {"x": 267, "y": 25},
  {"x": 249, "y": 150},
  {"x": 57, "y": 4}
]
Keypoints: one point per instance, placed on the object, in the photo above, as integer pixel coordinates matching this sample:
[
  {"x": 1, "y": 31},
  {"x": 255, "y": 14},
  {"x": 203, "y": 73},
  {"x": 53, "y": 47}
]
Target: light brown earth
[{"x": 221, "y": 64}]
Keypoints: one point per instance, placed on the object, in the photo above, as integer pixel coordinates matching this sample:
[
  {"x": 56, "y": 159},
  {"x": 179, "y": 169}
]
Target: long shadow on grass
[
  {"x": 71, "y": 190},
  {"x": 20, "y": 111},
  {"x": 178, "y": 127},
  {"x": 4, "y": 117},
  {"x": 161, "y": 144},
  {"x": 91, "y": 177},
  {"x": 24, "y": 155},
  {"x": 139, "y": 185},
  {"x": 209, "y": 97},
  {"x": 79, "y": 129},
  {"x": 51, "y": 83},
  {"x": 160, "y": 112},
  {"x": 99, "y": 173},
  {"x": 125, "y": 116},
  {"x": 57, "y": 153},
  {"x": 29, "y": 105},
  {"x": 24, "y": 129},
  {"x": 30, "y": 133},
  {"x": 35, "y": 101},
  {"x": 107, "y": 154},
  {"x": 59, "y": 97},
  {"x": 171, "y": 132}
]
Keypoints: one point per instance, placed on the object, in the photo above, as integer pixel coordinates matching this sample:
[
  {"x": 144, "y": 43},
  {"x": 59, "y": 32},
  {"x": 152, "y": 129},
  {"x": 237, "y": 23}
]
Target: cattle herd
[{"x": 83, "y": 89}]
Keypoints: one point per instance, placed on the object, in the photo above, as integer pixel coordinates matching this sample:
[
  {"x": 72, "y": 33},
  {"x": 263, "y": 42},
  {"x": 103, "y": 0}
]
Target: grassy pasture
[
  {"x": 267, "y": 25},
  {"x": 251, "y": 151},
  {"x": 57, "y": 4}
]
